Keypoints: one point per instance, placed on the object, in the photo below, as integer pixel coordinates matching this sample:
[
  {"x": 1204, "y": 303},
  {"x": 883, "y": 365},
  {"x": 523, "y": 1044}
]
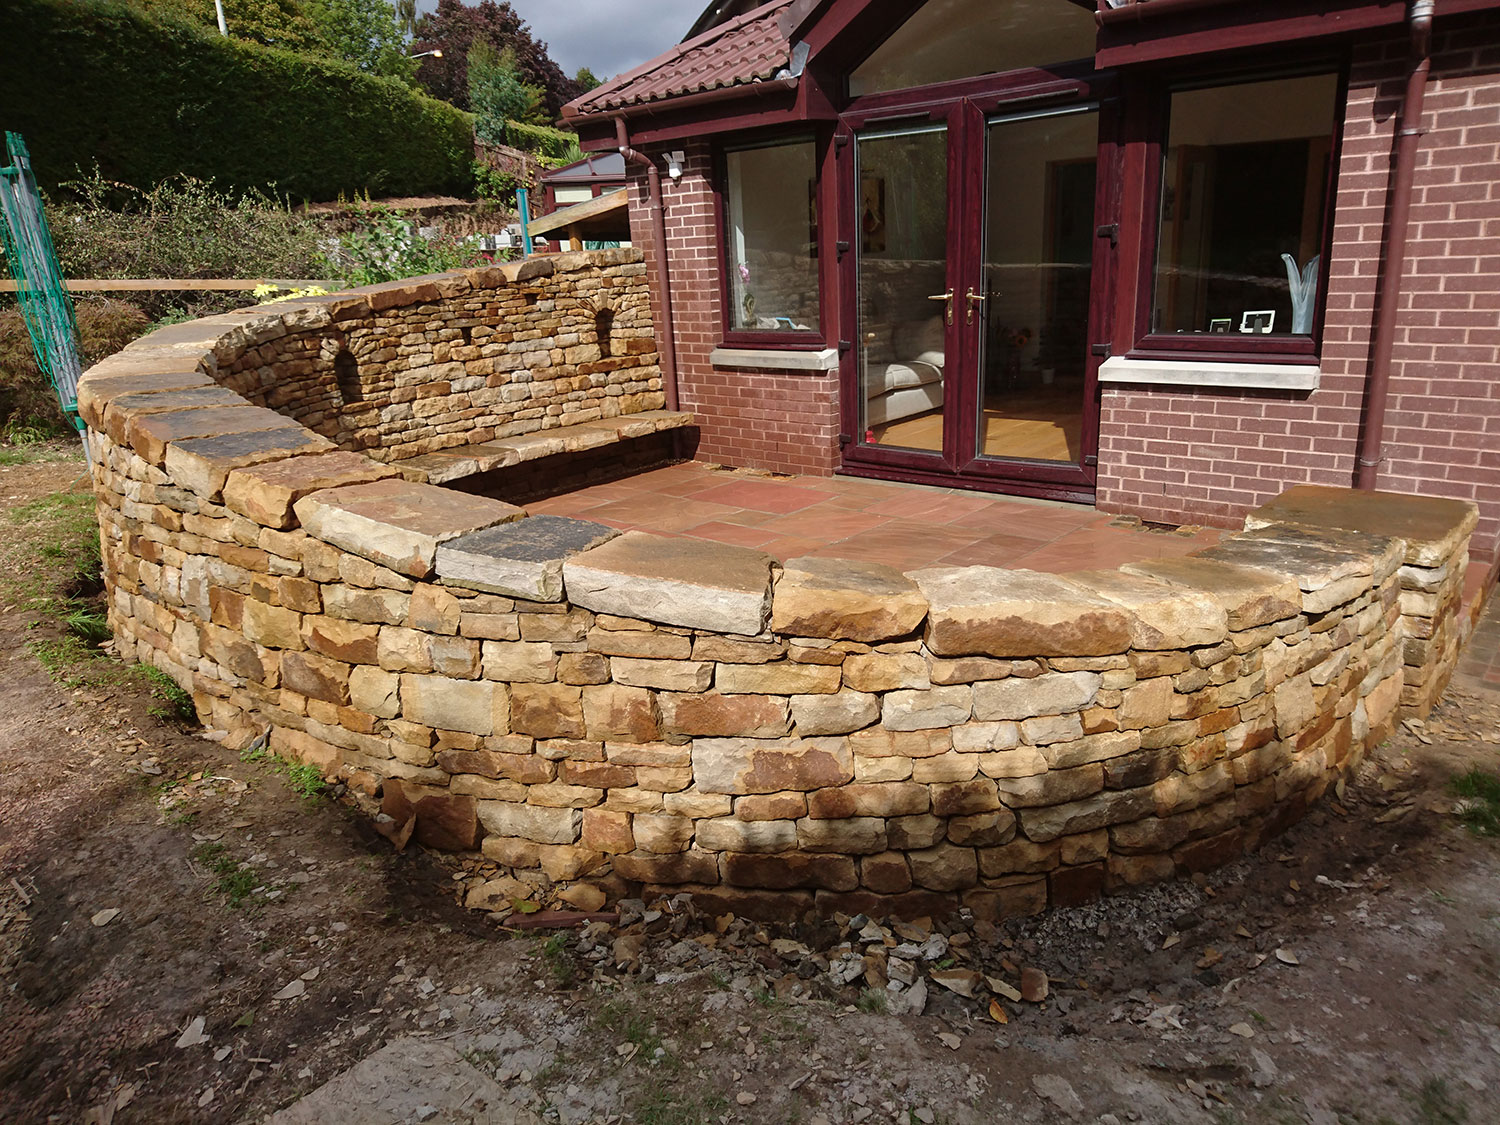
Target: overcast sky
[{"x": 607, "y": 36}]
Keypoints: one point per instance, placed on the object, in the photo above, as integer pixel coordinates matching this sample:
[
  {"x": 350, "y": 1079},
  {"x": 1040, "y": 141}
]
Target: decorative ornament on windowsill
[
  {"x": 1304, "y": 286},
  {"x": 747, "y": 302}
]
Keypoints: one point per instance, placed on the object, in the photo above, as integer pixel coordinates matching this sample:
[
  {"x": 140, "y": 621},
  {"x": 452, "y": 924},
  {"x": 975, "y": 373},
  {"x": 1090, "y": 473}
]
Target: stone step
[{"x": 468, "y": 460}]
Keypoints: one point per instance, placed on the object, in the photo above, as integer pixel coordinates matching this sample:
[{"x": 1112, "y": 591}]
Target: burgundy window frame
[
  {"x": 791, "y": 340},
  {"x": 1228, "y": 347}
]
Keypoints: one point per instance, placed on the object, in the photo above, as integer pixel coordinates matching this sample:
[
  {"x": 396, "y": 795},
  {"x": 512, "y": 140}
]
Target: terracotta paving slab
[{"x": 901, "y": 525}]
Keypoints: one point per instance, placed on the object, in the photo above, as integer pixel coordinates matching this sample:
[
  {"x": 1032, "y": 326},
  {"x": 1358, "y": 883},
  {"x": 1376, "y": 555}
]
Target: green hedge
[
  {"x": 93, "y": 81},
  {"x": 543, "y": 140}
]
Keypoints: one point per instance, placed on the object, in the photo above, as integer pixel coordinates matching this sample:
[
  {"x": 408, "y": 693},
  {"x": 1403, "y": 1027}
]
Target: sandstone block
[
  {"x": 790, "y": 870},
  {"x": 711, "y": 713},
  {"x": 687, "y": 582},
  {"x": 463, "y": 705},
  {"x": 733, "y": 650},
  {"x": 729, "y": 834},
  {"x": 524, "y": 769},
  {"x": 396, "y": 523},
  {"x": 1179, "y": 792},
  {"x": 433, "y": 610},
  {"x": 1163, "y": 616},
  {"x": 780, "y": 678},
  {"x": 375, "y": 691},
  {"x": 608, "y": 832},
  {"x": 1053, "y": 693},
  {"x": 1147, "y": 704},
  {"x": 445, "y": 821},
  {"x": 772, "y": 806},
  {"x": 530, "y": 822},
  {"x": 689, "y": 867},
  {"x": 747, "y": 765},
  {"x": 375, "y": 607},
  {"x": 1051, "y": 788},
  {"x": 949, "y": 767},
  {"x": 315, "y": 676},
  {"x": 841, "y": 599},
  {"x": 1019, "y": 856},
  {"x": 272, "y": 626},
  {"x": 654, "y": 645},
  {"x": 861, "y": 835},
  {"x": 663, "y": 675},
  {"x": 982, "y": 830},
  {"x": 547, "y": 710},
  {"x": 1249, "y": 597},
  {"x": 887, "y": 873},
  {"x": 617, "y": 711},
  {"x": 965, "y": 798},
  {"x": 839, "y": 713},
  {"x": 522, "y": 559},
  {"x": 880, "y": 799},
  {"x": 519, "y": 661},
  {"x": 927, "y": 709},
  {"x": 151, "y": 434},
  {"x": 1052, "y": 728},
  {"x": 885, "y": 671},
  {"x": 1144, "y": 767},
  {"x": 944, "y": 867},
  {"x": 982, "y": 611},
  {"x": 914, "y": 833},
  {"x": 1023, "y": 761},
  {"x": 1432, "y": 529},
  {"x": 404, "y": 650},
  {"x": 1087, "y": 815},
  {"x": 985, "y": 737},
  {"x": 1091, "y": 748},
  {"x": 266, "y": 493},
  {"x": 662, "y": 834},
  {"x": 967, "y": 669}
]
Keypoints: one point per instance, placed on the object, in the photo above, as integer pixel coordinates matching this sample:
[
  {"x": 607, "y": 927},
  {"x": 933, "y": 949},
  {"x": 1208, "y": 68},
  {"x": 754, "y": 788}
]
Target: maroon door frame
[{"x": 966, "y": 109}]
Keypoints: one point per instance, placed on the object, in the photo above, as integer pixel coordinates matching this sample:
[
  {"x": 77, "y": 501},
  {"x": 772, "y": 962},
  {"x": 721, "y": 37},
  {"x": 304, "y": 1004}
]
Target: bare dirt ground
[{"x": 184, "y": 937}]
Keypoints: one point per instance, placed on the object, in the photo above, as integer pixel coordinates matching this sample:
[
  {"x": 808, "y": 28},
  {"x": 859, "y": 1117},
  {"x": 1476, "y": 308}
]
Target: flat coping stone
[
  {"x": 844, "y": 599},
  {"x": 98, "y": 389},
  {"x": 1165, "y": 617},
  {"x": 1312, "y": 565},
  {"x": 204, "y": 464},
  {"x": 1016, "y": 614},
  {"x": 692, "y": 583},
  {"x": 150, "y": 434},
  {"x": 1381, "y": 554},
  {"x": 398, "y": 523},
  {"x": 266, "y": 492},
  {"x": 523, "y": 559},
  {"x": 1433, "y": 527},
  {"x": 1249, "y": 596}
]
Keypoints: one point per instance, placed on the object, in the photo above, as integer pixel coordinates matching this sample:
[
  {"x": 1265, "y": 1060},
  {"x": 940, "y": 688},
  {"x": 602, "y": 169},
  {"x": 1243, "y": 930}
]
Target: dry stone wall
[
  {"x": 438, "y": 362},
  {"x": 581, "y": 704}
]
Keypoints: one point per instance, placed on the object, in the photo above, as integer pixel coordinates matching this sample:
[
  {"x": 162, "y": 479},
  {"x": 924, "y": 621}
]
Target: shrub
[
  {"x": 26, "y": 400},
  {"x": 91, "y": 81},
  {"x": 556, "y": 145},
  {"x": 389, "y": 246}
]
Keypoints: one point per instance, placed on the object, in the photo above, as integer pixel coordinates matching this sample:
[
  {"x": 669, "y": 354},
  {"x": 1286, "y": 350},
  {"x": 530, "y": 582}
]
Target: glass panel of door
[
  {"x": 1036, "y": 270},
  {"x": 904, "y": 299}
]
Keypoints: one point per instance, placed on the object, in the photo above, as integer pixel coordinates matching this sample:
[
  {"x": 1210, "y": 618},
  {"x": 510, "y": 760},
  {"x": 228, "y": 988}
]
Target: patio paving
[{"x": 906, "y": 526}]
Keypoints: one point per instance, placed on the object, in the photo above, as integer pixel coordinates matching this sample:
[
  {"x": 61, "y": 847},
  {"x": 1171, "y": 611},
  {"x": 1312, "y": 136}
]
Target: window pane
[
  {"x": 772, "y": 243},
  {"x": 1244, "y": 200},
  {"x": 950, "y": 39}
]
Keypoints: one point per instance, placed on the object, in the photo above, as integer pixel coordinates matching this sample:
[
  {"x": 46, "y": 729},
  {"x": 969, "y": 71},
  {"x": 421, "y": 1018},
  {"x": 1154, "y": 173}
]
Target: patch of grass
[
  {"x": 174, "y": 704},
  {"x": 304, "y": 779},
  {"x": 664, "y": 1102},
  {"x": 559, "y": 960},
  {"x": 232, "y": 879},
  {"x": 1478, "y": 805},
  {"x": 1435, "y": 1104},
  {"x": 874, "y": 1000},
  {"x": 623, "y": 1020}
]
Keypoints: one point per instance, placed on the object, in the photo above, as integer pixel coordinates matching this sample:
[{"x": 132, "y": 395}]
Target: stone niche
[{"x": 646, "y": 713}]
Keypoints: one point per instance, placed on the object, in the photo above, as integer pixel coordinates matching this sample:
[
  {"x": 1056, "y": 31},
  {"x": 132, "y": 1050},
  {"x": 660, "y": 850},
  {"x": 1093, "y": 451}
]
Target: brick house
[{"x": 1168, "y": 257}]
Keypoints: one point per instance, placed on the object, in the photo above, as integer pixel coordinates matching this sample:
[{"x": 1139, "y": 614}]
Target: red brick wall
[
  {"x": 749, "y": 419},
  {"x": 1208, "y": 456}
]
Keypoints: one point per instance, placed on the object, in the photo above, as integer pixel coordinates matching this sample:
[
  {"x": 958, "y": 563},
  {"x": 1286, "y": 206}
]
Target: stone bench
[{"x": 469, "y": 460}]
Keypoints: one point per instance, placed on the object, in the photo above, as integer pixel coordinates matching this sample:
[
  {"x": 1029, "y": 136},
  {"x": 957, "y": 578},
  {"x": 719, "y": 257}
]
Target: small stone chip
[
  {"x": 949, "y": 1040},
  {"x": 1243, "y": 1030},
  {"x": 291, "y": 991},
  {"x": 745, "y": 1097},
  {"x": 105, "y": 917}
]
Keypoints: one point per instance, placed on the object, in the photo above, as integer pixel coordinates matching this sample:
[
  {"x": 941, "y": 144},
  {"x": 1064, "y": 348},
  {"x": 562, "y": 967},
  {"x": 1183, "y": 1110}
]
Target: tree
[
  {"x": 366, "y": 33},
  {"x": 586, "y": 80},
  {"x": 496, "y": 92},
  {"x": 454, "y": 29},
  {"x": 272, "y": 23}
]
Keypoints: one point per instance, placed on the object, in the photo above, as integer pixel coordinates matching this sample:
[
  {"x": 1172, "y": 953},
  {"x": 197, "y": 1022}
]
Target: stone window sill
[
  {"x": 796, "y": 362},
  {"x": 1211, "y": 373}
]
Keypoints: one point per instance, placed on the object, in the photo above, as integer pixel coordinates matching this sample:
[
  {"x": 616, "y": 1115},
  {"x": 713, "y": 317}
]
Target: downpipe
[
  {"x": 666, "y": 340},
  {"x": 1403, "y": 173}
]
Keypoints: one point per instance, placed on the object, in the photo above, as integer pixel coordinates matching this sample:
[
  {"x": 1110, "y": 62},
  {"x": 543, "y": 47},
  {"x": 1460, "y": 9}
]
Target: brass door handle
[
  {"x": 948, "y": 299},
  {"x": 974, "y": 299}
]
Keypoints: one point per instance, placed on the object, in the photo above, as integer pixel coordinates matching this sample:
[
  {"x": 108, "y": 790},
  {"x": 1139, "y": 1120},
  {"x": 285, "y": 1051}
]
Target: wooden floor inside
[{"x": 1040, "y": 425}]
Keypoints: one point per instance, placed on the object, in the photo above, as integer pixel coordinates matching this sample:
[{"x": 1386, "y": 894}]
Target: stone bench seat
[{"x": 468, "y": 460}]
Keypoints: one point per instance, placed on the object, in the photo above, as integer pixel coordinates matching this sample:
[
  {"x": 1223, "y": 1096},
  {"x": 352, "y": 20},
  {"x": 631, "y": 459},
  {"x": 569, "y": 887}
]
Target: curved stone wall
[{"x": 578, "y": 703}]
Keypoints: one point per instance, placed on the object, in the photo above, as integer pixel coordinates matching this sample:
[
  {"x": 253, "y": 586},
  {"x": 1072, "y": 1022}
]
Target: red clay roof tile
[{"x": 750, "y": 48}]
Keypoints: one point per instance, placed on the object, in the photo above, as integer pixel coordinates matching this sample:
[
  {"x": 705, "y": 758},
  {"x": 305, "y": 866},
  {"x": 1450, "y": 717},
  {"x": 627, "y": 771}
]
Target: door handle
[
  {"x": 974, "y": 299},
  {"x": 947, "y": 298}
]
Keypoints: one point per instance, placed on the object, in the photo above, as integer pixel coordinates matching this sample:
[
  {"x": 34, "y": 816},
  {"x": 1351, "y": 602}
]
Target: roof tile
[{"x": 741, "y": 51}]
